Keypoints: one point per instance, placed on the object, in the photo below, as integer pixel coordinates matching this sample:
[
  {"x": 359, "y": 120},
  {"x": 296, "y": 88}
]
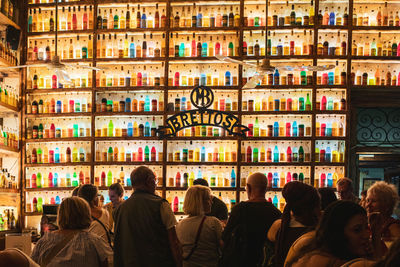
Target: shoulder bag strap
[
  {"x": 197, "y": 239},
  {"x": 57, "y": 248},
  {"x": 105, "y": 229}
]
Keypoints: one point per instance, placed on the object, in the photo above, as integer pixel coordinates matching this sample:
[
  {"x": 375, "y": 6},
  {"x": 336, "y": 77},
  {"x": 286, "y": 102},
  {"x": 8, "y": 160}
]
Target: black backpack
[{"x": 236, "y": 245}]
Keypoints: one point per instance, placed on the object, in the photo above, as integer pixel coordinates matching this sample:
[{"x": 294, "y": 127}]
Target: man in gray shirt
[{"x": 145, "y": 227}]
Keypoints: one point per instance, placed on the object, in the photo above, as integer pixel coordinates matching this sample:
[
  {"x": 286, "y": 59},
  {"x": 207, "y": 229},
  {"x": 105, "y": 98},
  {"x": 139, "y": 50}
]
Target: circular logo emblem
[{"x": 202, "y": 97}]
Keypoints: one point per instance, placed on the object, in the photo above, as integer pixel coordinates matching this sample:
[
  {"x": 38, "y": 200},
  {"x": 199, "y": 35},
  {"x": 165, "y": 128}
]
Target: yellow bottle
[{"x": 282, "y": 204}]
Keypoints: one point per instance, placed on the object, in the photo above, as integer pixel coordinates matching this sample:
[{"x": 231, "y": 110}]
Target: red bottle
[
  {"x": 178, "y": 180},
  {"x": 248, "y": 154}
]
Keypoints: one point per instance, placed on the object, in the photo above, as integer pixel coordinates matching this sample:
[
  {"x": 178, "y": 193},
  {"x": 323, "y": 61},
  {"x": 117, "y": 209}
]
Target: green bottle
[
  {"x": 256, "y": 128},
  {"x": 109, "y": 178},
  {"x": 301, "y": 104},
  {"x": 301, "y": 154},
  {"x": 74, "y": 180},
  {"x": 308, "y": 103},
  {"x": 146, "y": 153},
  {"x": 39, "y": 155},
  {"x": 303, "y": 78},
  {"x": 116, "y": 19},
  {"x": 39, "y": 180},
  {"x": 111, "y": 129},
  {"x": 255, "y": 154},
  {"x": 40, "y": 205},
  {"x": 76, "y": 130}
]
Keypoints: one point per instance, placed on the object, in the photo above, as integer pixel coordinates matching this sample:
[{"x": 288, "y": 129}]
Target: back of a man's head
[
  {"x": 258, "y": 183},
  {"x": 140, "y": 176},
  {"x": 200, "y": 181},
  {"x": 345, "y": 182}
]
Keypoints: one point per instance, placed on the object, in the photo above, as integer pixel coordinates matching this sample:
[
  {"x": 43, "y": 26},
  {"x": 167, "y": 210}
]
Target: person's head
[
  {"x": 15, "y": 257},
  {"x": 200, "y": 181},
  {"x": 327, "y": 196},
  {"x": 256, "y": 185},
  {"x": 392, "y": 257},
  {"x": 115, "y": 192},
  {"x": 303, "y": 201},
  {"x": 343, "y": 230},
  {"x": 74, "y": 213},
  {"x": 75, "y": 191},
  {"x": 382, "y": 197},
  {"x": 143, "y": 178},
  {"x": 197, "y": 201},
  {"x": 345, "y": 189},
  {"x": 89, "y": 193}
]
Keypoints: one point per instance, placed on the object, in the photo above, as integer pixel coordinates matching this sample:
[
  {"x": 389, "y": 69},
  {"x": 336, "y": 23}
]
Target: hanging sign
[{"x": 202, "y": 97}]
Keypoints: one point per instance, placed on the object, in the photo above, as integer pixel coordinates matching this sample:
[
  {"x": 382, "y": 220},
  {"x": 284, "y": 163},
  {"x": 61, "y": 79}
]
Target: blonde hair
[
  {"x": 194, "y": 200},
  {"x": 74, "y": 213},
  {"x": 386, "y": 194}
]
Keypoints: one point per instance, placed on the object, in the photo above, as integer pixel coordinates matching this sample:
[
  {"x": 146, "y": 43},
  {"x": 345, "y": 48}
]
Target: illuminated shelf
[
  {"x": 73, "y": 60},
  {"x": 244, "y": 113},
  {"x": 280, "y": 138},
  {"x": 123, "y": 163},
  {"x": 233, "y": 87},
  {"x": 284, "y": 87},
  {"x": 49, "y": 189},
  {"x": 380, "y": 58},
  {"x": 144, "y": 30},
  {"x": 214, "y": 188},
  {"x": 9, "y": 190},
  {"x": 65, "y": 139},
  {"x": 326, "y": 57},
  {"x": 126, "y": 188},
  {"x": 201, "y": 59},
  {"x": 69, "y": 114},
  {"x": 5, "y": 63},
  {"x": 227, "y": 30},
  {"x": 51, "y": 34},
  {"x": 122, "y": 138},
  {"x": 308, "y": 57},
  {"x": 177, "y": 112},
  {"x": 129, "y": 1},
  {"x": 10, "y": 151},
  {"x": 289, "y": 27},
  {"x": 339, "y": 112},
  {"x": 201, "y": 138},
  {"x": 105, "y": 60},
  {"x": 58, "y": 90},
  {"x": 71, "y": 3},
  {"x": 376, "y": 87},
  {"x": 339, "y": 138},
  {"x": 57, "y": 164},
  {"x": 6, "y": 108},
  {"x": 329, "y": 164},
  {"x": 217, "y": 163},
  {"x": 375, "y": 28},
  {"x": 332, "y": 27},
  {"x": 305, "y": 164},
  {"x": 139, "y": 113},
  {"x": 326, "y": 86},
  {"x": 128, "y": 88},
  {"x": 4, "y": 20}
]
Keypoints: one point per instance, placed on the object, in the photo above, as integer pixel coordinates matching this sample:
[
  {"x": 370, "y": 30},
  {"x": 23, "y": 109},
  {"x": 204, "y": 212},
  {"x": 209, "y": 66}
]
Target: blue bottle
[
  {"x": 233, "y": 178},
  {"x": 130, "y": 129},
  {"x": 147, "y": 103},
  {"x": 183, "y": 104},
  {"x": 276, "y": 129},
  {"x": 132, "y": 51},
  {"x": 276, "y": 154},
  {"x": 329, "y": 129},
  {"x": 57, "y": 155},
  {"x": 204, "y": 49},
  {"x": 143, "y": 21},
  {"x": 228, "y": 78},
  {"x": 128, "y": 104},
  {"x": 329, "y": 104},
  {"x": 275, "y": 180},
  {"x": 328, "y": 154},
  {"x": 332, "y": 18},
  {"x": 30, "y": 21},
  {"x": 199, "y": 175},
  {"x": 147, "y": 129},
  {"x": 203, "y": 154},
  {"x": 55, "y": 179},
  {"x": 276, "y": 77},
  {"x": 199, "y": 21},
  {"x": 203, "y": 79},
  {"x": 329, "y": 180},
  {"x": 182, "y": 50},
  {"x": 331, "y": 78},
  {"x": 58, "y": 106},
  {"x": 294, "y": 129},
  {"x": 58, "y": 200},
  {"x": 275, "y": 201}
]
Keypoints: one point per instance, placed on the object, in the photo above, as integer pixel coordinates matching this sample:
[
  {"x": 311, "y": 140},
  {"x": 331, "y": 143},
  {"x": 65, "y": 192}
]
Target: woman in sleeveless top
[
  {"x": 302, "y": 210},
  {"x": 341, "y": 235}
]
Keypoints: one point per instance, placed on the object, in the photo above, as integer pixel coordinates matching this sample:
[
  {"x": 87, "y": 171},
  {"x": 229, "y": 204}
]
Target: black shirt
[
  {"x": 218, "y": 209},
  {"x": 257, "y": 218}
]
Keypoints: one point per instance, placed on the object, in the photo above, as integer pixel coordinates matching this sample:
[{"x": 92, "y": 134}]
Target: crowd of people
[{"x": 315, "y": 228}]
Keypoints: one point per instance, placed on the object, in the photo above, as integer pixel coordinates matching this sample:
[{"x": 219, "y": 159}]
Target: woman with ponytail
[{"x": 301, "y": 213}]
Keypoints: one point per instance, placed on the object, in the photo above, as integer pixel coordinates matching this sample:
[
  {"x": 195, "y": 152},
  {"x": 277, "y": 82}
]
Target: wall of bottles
[{"x": 150, "y": 57}]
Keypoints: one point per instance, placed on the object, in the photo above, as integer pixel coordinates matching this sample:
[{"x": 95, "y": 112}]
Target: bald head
[
  {"x": 256, "y": 186},
  {"x": 258, "y": 180}
]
